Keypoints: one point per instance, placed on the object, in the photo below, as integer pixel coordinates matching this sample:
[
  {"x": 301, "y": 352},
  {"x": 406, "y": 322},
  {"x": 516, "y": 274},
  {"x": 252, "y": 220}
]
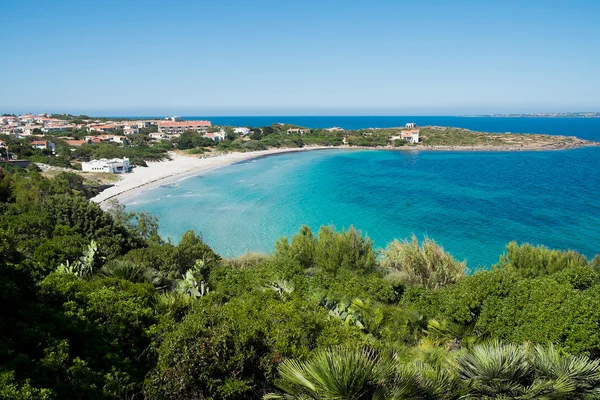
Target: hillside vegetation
[{"x": 95, "y": 305}]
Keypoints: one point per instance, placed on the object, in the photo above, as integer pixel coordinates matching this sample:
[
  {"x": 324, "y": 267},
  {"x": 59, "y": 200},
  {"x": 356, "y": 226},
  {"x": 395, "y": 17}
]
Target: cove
[{"x": 472, "y": 203}]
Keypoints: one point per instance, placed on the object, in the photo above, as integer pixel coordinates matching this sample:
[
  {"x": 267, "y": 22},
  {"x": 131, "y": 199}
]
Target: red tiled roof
[
  {"x": 75, "y": 143},
  {"x": 44, "y": 142},
  {"x": 103, "y": 127}
]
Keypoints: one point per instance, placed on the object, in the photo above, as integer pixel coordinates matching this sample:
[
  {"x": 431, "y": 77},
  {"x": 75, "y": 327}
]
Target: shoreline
[
  {"x": 179, "y": 167},
  {"x": 183, "y": 166}
]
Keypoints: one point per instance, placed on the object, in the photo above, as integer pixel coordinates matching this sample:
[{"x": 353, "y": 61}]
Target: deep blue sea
[
  {"x": 585, "y": 128},
  {"x": 472, "y": 203}
]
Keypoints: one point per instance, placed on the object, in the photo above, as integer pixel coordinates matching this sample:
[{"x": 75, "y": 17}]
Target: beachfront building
[
  {"x": 178, "y": 127},
  {"x": 114, "y": 166},
  {"x": 410, "y": 125},
  {"x": 411, "y": 135},
  {"x": 297, "y": 131}
]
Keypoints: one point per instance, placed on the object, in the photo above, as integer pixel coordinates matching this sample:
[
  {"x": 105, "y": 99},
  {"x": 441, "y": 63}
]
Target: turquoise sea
[{"x": 472, "y": 203}]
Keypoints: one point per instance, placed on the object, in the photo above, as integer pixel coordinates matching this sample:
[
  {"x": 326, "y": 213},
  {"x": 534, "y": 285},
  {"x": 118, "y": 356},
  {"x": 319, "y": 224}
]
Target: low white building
[
  {"x": 158, "y": 135},
  {"x": 216, "y": 136},
  {"x": 115, "y": 166},
  {"x": 410, "y": 125},
  {"x": 242, "y": 131}
]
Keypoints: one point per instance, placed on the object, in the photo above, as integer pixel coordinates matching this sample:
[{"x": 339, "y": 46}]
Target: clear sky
[{"x": 287, "y": 57}]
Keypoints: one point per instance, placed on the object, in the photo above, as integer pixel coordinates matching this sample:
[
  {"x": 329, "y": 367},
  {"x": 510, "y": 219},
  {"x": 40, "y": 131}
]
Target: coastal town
[{"x": 43, "y": 132}]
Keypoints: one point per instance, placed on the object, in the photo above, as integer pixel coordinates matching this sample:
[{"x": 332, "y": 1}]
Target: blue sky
[{"x": 276, "y": 57}]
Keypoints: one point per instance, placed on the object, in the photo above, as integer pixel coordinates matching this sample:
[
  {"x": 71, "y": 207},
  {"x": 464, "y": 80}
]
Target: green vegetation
[
  {"x": 138, "y": 149},
  {"x": 276, "y": 136},
  {"x": 95, "y": 305}
]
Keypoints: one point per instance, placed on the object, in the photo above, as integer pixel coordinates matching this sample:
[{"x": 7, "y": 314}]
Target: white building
[
  {"x": 131, "y": 130},
  {"x": 216, "y": 136},
  {"x": 115, "y": 166},
  {"x": 242, "y": 131},
  {"x": 411, "y": 136},
  {"x": 158, "y": 136},
  {"x": 410, "y": 125}
]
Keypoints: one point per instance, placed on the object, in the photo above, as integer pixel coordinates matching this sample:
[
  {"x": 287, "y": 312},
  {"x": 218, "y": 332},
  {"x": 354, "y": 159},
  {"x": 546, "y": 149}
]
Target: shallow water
[{"x": 471, "y": 203}]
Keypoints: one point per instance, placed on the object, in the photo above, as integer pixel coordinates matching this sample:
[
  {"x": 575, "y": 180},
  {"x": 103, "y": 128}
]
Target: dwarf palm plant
[
  {"x": 339, "y": 373},
  {"x": 497, "y": 370},
  {"x": 132, "y": 272},
  {"x": 575, "y": 376}
]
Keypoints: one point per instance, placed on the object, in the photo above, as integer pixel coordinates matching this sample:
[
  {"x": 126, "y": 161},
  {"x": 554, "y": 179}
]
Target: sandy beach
[{"x": 163, "y": 172}]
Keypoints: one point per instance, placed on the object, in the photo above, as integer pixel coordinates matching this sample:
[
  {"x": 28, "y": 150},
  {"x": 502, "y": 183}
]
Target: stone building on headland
[{"x": 298, "y": 131}]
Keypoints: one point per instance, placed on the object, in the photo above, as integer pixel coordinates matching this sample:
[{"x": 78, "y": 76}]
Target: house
[
  {"x": 43, "y": 145},
  {"x": 27, "y": 118},
  {"x": 172, "y": 127},
  {"x": 411, "y": 136},
  {"x": 117, "y": 138},
  {"x": 8, "y": 120},
  {"x": 410, "y": 125},
  {"x": 242, "y": 131},
  {"x": 297, "y": 131},
  {"x": 9, "y": 129},
  {"x": 131, "y": 130},
  {"x": 216, "y": 136},
  {"x": 97, "y": 139},
  {"x": 101, "y": 128},
  {"x": 114, "y": 166},
  {"x": 28, "y": 129},
  {"x": 334, "y": 129}
]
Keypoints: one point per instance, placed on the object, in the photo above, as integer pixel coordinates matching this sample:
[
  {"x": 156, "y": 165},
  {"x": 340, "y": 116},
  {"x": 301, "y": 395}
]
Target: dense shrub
[{"x": 427, "y": 265}]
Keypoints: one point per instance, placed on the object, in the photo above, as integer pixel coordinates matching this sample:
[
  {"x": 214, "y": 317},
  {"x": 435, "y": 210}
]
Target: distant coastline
[{"x": 538, "y": 115}]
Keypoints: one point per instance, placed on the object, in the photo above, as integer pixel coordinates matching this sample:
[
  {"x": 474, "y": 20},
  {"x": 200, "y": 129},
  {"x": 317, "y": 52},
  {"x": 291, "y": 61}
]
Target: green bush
[
  {"x": 427, "y": 265},
  {"x": 531, "y": 261}
]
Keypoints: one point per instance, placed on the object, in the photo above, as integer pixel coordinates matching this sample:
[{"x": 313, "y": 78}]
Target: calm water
[
  {"x": 581, "y": 127},
  {"x": 471, "y": 203}
]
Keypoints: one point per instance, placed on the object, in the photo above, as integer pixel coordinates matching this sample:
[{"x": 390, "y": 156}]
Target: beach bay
[{"x": 472, "y": 203}]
